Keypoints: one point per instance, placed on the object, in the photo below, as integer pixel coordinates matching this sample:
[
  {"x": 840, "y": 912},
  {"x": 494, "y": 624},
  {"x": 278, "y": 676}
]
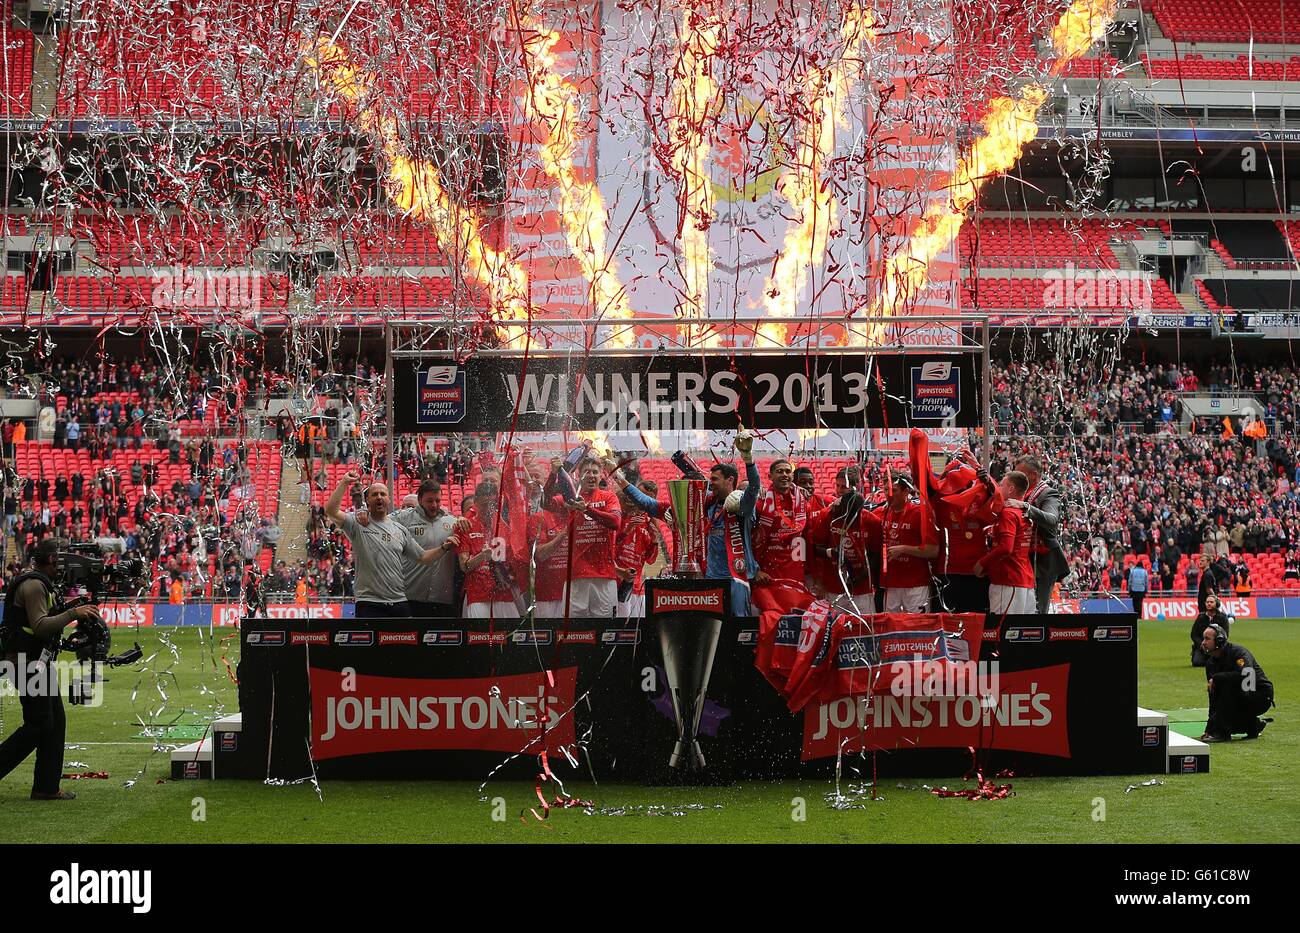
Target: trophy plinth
[
  {"x": 686, "y": 619},
  {"x": 688, "y": 643}
]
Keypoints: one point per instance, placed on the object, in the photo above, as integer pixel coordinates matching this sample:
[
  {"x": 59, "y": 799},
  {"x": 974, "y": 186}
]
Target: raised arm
[
  {"x": 648, "y": 505},
  {"x": 744, "y": 444},
  {"x": 332, "y": 507}
]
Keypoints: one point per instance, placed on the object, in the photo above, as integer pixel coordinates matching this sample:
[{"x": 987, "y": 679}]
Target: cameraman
[{"x": 32, "y": 632}]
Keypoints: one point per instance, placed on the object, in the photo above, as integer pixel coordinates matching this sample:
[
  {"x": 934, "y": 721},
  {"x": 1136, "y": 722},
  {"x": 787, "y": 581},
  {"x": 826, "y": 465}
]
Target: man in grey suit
[{"x": 1042, "y": 506}]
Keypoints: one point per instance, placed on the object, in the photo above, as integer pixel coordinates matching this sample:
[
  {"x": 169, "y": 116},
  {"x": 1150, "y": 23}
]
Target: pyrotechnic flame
[
  {"x": 652, "y": 442},
  {"x": 553, "y": 100},
  {"x": 807, "y": 435},
  {"x": 1079, "y": 28},
  {"x": 826, "y": 97},
  {"x": 691, "y": 94},
  {"x": 1011, "y": 123},
  {"x": 599, "y": 444},
  {"x": 415, "y": 185}
]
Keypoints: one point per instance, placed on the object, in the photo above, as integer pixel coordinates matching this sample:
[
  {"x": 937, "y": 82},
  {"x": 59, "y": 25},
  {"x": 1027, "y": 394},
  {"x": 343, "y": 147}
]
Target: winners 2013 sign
[{"x": 702, "y": 392}]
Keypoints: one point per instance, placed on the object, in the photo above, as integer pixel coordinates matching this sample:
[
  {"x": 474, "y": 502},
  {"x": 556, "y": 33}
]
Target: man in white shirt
[{"x": 380, "y": 548}]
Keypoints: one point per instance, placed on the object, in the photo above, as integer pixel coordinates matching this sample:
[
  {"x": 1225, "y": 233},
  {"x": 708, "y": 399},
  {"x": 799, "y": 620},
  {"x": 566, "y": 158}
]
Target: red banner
[
  {"x": 1027, "y": 713},
  {"x": 515, "y": 713},
  {"x": 824, "y": 653},
  {"x": 128, "y": 614},
  {"x": 688, "y": 601}
]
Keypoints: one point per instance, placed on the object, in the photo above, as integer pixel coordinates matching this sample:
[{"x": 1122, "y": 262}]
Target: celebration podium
[{"x": 673, "y": 698}]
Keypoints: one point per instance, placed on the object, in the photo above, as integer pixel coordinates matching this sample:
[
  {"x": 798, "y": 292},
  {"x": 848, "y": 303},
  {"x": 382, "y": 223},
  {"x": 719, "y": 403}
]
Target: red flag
[
  {"x": 513, "y": 514},
  {"x": 772, "y": 601},
  {"x": 843, "y": 655}
]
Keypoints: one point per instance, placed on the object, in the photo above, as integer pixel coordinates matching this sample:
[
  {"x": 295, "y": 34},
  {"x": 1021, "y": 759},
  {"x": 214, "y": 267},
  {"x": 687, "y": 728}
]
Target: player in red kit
[
  {"x": 847, "y": 479},
  {"x": 594, "y": 518},
  {"x": 807, "y": 481},
  {"x": 963, "y": 543},
  {"x": 910, "y": 541},
  {"x": 549, "y": 534},
  {"x": 637, "y": 546},
  {"x": 1008, "y": 564},
  {"x": 487, "y": 595},
  {"x": 779, "y": 543},
  {"x": 816, "y": 566},
  {"x": 843, "y": 536}
]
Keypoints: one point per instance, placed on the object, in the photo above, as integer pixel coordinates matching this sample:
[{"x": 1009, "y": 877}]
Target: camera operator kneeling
[
  {"x": 1239, "y": 691},
  {"x": 31, "y": 638}
]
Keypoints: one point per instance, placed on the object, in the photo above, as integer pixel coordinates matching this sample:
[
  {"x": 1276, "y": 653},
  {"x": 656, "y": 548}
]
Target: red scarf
[
  {"x": 734, "y": 536},
  {"x": 781, "y": 528}
]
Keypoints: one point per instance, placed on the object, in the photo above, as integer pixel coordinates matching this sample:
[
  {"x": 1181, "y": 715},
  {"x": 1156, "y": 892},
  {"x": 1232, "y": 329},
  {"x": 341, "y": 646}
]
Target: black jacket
[
  {"x": 1209, "y": 584},
  {"x": 1231, "y": 666},
  {"x": 22, "y": 633},
  {"x": 1204, "y": 621}
]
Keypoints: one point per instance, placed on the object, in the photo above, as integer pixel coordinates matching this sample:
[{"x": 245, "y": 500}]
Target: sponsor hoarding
[{"x": 461, "y": 697}]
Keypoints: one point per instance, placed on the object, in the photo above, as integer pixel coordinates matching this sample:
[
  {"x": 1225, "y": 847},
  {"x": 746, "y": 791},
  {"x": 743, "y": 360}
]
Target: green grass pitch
[{"x": 1252, "y": 783}]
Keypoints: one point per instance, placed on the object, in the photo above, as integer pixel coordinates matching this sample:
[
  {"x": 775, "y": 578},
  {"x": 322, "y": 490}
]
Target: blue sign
[
  {"x": 440, "y": 388},
  {"x": 936, "y": 391}
]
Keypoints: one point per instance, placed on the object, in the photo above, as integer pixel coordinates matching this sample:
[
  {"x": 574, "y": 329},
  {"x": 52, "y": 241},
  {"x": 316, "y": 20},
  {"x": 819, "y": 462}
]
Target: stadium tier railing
[{"x": 1272, "y": 263}]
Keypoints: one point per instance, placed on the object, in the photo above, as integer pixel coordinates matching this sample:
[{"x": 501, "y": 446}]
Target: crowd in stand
[
  {"x": 1056, "y": 400},
  {"x": 108, "y": 403},
  {"x": 175, "y": 529},
  {"x": 1139, "y": 486}
]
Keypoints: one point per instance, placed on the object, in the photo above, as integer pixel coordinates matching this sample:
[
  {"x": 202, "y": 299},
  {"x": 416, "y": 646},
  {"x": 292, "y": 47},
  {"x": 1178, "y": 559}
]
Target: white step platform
[
  {"x": 1187, "y": 755},
  {"x": 193, "y": 762}
]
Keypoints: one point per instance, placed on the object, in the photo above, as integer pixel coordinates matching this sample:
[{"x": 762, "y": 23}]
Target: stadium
[{"x": 264, "y": 257}]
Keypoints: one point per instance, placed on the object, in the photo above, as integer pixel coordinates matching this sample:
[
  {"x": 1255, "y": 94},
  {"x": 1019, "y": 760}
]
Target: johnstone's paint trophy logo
[
  {"x": 440, "y": 394},
  {"x": 936, "y": 391}
]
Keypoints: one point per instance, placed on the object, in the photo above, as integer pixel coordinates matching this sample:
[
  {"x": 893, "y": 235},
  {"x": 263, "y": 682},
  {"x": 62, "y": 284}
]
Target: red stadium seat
[
  {"x": 1261, "y": 21},
  {"x": 16, "y": 81}
]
